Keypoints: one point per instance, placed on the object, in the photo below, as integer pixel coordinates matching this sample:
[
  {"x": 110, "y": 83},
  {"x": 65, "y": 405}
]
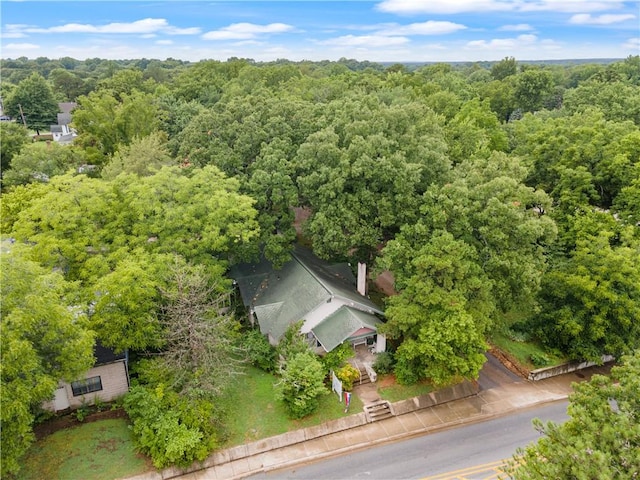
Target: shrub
[
  {"x": 405, "y": 371},
  {"x": 384, "y": 363},
  {"x": 169, "y": 428},
  {"x": 539, "y": 359},
  {"x": 302, "y": 383},
  {"x": 347, "y": 375},
  {"x": 260, "y": 352},
  {"x": 292, "y": 342},
  {"x": 337, "y": 357}
]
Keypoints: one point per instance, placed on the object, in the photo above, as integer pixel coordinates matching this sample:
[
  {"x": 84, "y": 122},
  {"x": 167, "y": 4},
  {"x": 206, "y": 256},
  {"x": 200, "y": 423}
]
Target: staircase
[
  {"x": 364, "y": 377},
  {"x": 378, "y": 411}
]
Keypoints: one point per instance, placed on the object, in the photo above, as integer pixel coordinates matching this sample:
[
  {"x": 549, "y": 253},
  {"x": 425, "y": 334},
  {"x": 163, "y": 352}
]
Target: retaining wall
[{"x": 547, "y": 372}]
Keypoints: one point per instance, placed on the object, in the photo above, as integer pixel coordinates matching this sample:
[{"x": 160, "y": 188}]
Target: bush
[
  {"x": 337, "y": 357},
  {"x": 169, "y": 428},
  {"x": 260, "y": 352},
  {"x": 405, "y": 371},
  {"x": 347, "y": 375},
  {"x": 302, "y": 383},
  {"x": 539, "y": 359},
  {"x": 384, "y": 363}
]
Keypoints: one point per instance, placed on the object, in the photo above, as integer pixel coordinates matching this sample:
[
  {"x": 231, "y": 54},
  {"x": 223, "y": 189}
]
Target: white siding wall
[{"x": 114, "y": 383}]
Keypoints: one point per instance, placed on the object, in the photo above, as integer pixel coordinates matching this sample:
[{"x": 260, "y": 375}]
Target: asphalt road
[{"x": 452, "y": 451}]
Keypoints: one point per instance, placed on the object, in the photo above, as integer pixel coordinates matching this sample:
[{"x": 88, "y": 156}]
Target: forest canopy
[{"x": 501, "y": 197}]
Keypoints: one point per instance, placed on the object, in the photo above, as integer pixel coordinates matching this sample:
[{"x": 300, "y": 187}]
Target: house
[
  {"x": 62, "y": 132},
  {"x": 324, "y": 296},
  {"x": 107, "y": 380}
]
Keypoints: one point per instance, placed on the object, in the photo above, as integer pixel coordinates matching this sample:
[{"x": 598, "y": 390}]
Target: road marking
[{"x": 493, "y": 469}]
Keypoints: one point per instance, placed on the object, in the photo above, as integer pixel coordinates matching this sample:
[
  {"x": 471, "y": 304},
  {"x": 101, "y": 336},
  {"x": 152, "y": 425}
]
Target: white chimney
[{"x": 362, "y": 279}]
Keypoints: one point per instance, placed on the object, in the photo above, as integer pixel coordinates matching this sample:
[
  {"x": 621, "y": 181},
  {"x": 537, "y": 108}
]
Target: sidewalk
[{"x": 230, "y": 465}]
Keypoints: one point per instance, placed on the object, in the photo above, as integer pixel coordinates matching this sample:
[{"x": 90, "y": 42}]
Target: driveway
[{"x": 494, "y": 374}]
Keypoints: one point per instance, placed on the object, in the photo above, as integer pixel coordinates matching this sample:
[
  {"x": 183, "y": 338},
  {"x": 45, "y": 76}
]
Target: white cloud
[
  {"x": 607, "y": 19},
  {"x": 406, "y": 7},
  {"x": 12, "y": 35},
  {"x": 632, "y": 44},
  {"x": 520, "y": 27},
  {"x": 365, "y": 41},
  {"x": 246, "y": 31},
  {"x": 19, "y": 47},
  {"x": 144, "y": 26},
  {"x": 443, "y": 6},
  {"x": 502, "y": 43},
  {"x": 424, "y": 28}
]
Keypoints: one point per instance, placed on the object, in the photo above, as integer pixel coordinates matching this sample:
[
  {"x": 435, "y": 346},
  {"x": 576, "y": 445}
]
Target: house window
[{"x": 88, "y": 385}]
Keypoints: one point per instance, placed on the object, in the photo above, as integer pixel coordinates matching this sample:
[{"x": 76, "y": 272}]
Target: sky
[{"x": 378, "y": 31}]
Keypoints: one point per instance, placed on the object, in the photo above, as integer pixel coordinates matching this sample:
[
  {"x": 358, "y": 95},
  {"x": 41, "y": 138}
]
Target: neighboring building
[
  {"x": 107, "y": 380},
  {"x": 62, "y": 132},
  {"x": 324, "y": 296}
]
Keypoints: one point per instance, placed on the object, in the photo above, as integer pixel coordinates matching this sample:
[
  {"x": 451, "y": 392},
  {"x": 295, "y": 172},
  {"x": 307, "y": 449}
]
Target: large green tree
[
  {"x": 591, "y": 302},
  {"x": 362, "y": 176},
  {"x": 110, "y": 236},
  {"x": 476, "y": 248},
  {"x": 34, "y": 96},
  {"x": 44, "y": 340},
  {"x": 105, "y": 121},
  {"x": 601, "y": 439}
]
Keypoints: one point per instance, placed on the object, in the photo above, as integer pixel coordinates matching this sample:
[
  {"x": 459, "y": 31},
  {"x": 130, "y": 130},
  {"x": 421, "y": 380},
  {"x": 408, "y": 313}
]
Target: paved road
[{"x": 451, "y": 454}]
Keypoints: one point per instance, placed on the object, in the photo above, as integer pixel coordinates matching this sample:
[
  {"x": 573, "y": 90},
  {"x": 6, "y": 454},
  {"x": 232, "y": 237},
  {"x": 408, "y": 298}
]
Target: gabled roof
[
  {"x": 344, "y": 323},
  {"x": 304, "y": 284}
]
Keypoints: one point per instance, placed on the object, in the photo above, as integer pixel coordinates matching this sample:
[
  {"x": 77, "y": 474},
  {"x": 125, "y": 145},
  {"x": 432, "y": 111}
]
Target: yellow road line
[{"x": 467, "y": 471}]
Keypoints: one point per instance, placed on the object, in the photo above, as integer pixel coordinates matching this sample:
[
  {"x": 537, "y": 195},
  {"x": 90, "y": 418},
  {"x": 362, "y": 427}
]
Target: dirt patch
[
  {"x": 386, "y": 381},
  {"x": 510, "y": 362},
  {"x": 110, "y": 445},
  {"x": 70, "y": 420},
  {"x": 384, "y": 283}
]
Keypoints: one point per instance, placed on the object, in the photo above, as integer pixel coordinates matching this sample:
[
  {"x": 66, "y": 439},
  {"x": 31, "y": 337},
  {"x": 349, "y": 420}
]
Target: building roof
[
  {"x": 66, "y": 107},
  {"x": 105, "y": 355},
  {"x": 301, "y": 290},
  {"x": 344, "y": 323}
]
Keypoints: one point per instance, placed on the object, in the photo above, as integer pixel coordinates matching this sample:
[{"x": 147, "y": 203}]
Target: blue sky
[{"x": 380, "y": 31}]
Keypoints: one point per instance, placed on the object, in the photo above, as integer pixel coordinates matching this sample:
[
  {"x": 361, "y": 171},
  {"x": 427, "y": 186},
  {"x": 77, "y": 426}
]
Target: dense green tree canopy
[{"x": 591, "y": 303}]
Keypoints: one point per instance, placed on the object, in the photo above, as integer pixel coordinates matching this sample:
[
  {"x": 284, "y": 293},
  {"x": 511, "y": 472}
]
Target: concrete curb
[{"x": 392, "y": 438}]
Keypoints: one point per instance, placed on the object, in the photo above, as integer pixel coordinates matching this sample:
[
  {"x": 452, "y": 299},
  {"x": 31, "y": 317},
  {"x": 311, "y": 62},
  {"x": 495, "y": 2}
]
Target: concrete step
[
  {"x": 364, "y": 378},
  {"x": 378, "y": 411}
]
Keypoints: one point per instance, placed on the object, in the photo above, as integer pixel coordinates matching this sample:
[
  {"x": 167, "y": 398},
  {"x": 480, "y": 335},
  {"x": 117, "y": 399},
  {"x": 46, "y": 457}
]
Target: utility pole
[{"x": 24, "y": 122}]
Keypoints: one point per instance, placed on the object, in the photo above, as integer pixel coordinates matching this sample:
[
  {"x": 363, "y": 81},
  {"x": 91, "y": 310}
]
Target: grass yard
[
  {"x": 395, "y": 392},
  {"x": 254, "y": 413},
  {"x": 101, "y": 450},
  {"x": 525, "y": 351}
]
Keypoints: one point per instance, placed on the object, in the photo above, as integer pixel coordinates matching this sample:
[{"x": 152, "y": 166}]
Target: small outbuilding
[{"x": 106, "y": 381}]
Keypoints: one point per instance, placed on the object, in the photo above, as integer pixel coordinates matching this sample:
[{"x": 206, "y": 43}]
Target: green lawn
[
  {"x": 254, "y": 413},
  {"x": 522, "y": 351},
  {"x": 397, "y": 392},
  {"x": 101, "y": 450}
]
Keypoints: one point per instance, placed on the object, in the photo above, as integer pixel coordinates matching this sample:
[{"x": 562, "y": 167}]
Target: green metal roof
[
  {"x": 341, "y": 325},
  {"x": 282, "y": 297}
]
